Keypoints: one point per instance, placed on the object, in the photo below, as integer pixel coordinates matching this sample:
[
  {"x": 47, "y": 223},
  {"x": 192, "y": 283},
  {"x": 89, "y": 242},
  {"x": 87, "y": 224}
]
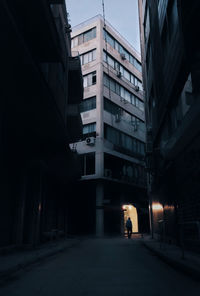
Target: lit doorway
[{"x": 130, "y": 211}]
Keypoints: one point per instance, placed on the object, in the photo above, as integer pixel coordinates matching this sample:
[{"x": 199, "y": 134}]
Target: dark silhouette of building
[
  {"x": 40, "y": 90},
  {"x": 171, "y": 73}
]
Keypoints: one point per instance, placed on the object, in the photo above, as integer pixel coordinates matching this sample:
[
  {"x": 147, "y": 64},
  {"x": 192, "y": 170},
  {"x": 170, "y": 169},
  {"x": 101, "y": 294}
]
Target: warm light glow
[
  {"x": 40, "y": 207},
  {"x": 157, "y": 206},
  {"x": 131, "y": 211}
]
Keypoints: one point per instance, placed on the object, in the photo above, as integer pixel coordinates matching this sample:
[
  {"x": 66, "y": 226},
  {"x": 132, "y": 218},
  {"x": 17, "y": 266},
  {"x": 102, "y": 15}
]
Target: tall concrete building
[
  {"x": 171, "y": 75},
  {"x": 113, "y": 146}
]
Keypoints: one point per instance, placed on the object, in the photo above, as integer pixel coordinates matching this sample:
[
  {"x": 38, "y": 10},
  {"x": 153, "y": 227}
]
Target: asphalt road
[{"x": 106, "y": 267}]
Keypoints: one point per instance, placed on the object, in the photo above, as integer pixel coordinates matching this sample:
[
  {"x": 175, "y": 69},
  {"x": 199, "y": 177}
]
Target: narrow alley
[{"x": 110, "y": 266}]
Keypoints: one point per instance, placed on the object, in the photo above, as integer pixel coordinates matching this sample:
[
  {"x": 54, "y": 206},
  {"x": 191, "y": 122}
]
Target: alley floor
[{"x": 102, "y": 267}]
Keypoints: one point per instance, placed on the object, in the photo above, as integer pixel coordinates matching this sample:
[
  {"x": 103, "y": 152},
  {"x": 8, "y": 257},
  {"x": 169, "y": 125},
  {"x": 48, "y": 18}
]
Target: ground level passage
[{"x": 110, "y": 266}]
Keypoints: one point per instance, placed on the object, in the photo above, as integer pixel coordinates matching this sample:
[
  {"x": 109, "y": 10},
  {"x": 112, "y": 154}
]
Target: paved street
[{"x": 102, "y": 267}]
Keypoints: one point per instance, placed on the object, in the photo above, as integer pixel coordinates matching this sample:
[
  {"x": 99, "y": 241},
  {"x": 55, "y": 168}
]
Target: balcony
[
  {"x": 74, "y": 123},
  {"x": 75, "y": 79}
]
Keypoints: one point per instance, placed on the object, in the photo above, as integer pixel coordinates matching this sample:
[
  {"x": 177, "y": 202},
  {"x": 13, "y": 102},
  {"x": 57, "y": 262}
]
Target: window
[
  {"x": 88, "y": 104},
  {"x": 87, "y": 163},
  {"x": 88, "y": 57},
  {"x": 137, "y": 65},
  {"x": 89, "y": 129},
  {"x": 123, "y": 142},
  {"x": 106, "y": 81},
  {"x": 124, "y": 93},
  {"x": 89, "y": 79},
  {"x": 74, "y": 42},
  {"x": 110, "y": 40},
  {"x": 125, "y": 73},
  {"x": 111, "y": 107},
  {"x": 125, "y": 170},
  {"x": 116, "y": 45},
  {"x": 84, "y": 37}
]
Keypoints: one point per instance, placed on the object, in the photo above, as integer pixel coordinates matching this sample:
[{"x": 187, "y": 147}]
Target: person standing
[{"x": 129, "y": 227}]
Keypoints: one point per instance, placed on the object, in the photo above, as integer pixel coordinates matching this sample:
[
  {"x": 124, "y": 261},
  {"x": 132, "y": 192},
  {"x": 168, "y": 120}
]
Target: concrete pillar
[{"x": 99, "y": 210}]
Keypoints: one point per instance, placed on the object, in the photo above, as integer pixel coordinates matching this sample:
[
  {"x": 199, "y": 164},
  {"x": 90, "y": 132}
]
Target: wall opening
[{"x": 130, "y": 211}]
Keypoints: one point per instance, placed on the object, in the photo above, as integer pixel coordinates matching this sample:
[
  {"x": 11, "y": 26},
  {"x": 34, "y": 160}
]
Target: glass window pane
[
  {"x": 132, "y": 79},
  {"x": 111, "y": 62},
  {"x": 86, "y": 60},
  {"x": 89, "y": 79},
  {"x": 111, "y": 41},
  {"x": 141, "y": 106},
  {"x": 112, "y": 85},
  {"x": 117, "y": 90},
  {"x": 116, "y": 45},
  {"x": 117, "y": 66},
  {"x": 106, "y": 81},
  {"x": 126, "y": 55},
  {"x": 74, "y": 41},
  {"x": 90, "y": 56},
  {"x": 127, "y": 96},
  {"x": 85, "y": 81},
  {"x": 122, "y": 92},
  {"x": 88, "y": 104},
  {"x": 81, "y": 59},
  {"x": 94, "y": 33},
  {"x": 94, "y": 54},
  {"x": 94, "y": 78},
  {"x": 131, "y": 59},
  {"x": 127, "y": 75},
  {"x": 132, "y": 99},
  {"x": 87, "y": 36},
  {"x": 104, "y": 57},
  {"x": 80, "y": 39},
  {"x": 122, "y": 70}
]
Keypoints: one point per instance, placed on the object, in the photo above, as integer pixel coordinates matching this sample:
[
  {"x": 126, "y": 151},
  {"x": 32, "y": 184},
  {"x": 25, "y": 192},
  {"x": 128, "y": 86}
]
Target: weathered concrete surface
[{"x": 103, "y": 267}]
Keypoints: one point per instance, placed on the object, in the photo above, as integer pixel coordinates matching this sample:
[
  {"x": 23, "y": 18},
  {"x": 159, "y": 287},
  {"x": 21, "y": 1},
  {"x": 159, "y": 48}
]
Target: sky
[{"x": 121, "y": 14}]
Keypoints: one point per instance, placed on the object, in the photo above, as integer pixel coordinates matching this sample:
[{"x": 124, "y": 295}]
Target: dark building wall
[
  {"x": 170, "y": 49},
  {"x": 34, "y": 137}
]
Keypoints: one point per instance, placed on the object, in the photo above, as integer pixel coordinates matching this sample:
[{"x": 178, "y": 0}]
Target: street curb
[
  {"x": 177, "y": 264},
  {"x": 9, "y": 273}
]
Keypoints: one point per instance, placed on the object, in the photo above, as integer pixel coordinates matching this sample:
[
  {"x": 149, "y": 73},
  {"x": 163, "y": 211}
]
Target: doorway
[{"x": 130, "y": 211}]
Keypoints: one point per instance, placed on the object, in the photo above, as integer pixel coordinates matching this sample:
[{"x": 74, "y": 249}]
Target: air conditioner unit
[
  {"x": 117, "y": 118},
  {"x": 108, "y": 173},
  {"x": 137, "y": 88},
  {"x": 123, "y": 56},
  {"x": 90, "y": 141},
  {"x": 119, "y": 74}
]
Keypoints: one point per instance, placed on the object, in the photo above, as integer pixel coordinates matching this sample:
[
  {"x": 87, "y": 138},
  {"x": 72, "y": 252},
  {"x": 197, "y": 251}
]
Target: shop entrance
[{"x": 130, "y": 211}]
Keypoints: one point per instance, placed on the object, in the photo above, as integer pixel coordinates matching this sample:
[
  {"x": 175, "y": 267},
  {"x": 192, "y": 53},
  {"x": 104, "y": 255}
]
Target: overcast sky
[{"x": 122, "y": 15}]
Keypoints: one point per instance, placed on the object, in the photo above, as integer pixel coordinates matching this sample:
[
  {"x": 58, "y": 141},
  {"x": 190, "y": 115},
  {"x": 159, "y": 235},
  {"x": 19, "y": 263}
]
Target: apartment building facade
[
  {"x": 170, "y": 56},
  {"x": 112, "y": 149},
  {"x": 41, "y": 89}
]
